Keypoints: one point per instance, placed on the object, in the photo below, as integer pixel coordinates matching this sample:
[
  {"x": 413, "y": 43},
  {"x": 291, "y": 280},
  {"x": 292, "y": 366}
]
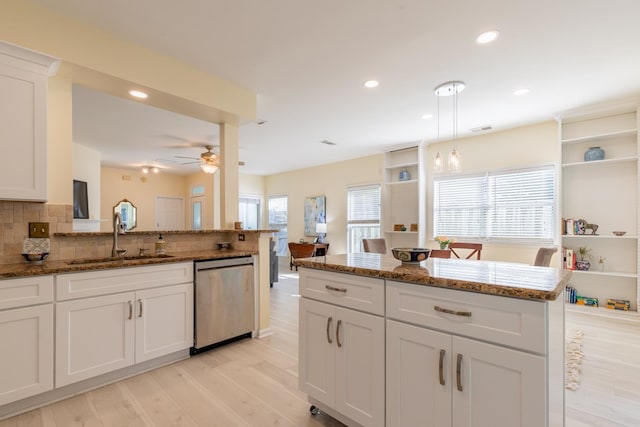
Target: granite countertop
[
  {"x": 487, "y": 277},
  {"x": 25, "y": 269},
  {"x": 156, "y": 232}
]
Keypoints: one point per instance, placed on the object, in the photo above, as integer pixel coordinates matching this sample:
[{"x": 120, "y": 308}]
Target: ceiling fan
[{"x": 206, "y": 157}]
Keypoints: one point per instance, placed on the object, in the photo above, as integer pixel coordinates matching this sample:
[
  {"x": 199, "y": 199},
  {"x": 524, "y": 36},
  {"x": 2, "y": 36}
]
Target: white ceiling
[{"x": 308, "y": 60}]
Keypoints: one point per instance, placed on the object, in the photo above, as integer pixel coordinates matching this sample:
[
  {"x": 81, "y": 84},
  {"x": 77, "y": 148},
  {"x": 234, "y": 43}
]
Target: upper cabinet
[
  {"x": 400, "y": 197},
  {"x": 600, "y": 186},
  {"x": 23, "y": 123}
]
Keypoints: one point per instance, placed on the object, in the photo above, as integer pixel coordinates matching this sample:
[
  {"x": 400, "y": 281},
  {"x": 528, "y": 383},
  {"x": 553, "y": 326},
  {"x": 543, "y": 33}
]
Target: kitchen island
[{"x": 443, "y": 343}]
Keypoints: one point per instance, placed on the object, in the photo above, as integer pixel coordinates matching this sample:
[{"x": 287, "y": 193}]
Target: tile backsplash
[{"x": 16, "y": 216}]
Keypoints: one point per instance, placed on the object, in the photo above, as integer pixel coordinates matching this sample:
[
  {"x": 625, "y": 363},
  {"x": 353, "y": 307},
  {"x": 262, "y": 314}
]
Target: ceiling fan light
[{"x": 209, "y": 165}]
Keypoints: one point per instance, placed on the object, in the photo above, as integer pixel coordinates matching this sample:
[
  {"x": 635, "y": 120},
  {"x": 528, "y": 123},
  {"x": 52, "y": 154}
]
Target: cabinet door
[
  {"x": 500, "y": 387},
  {"x": 317, "y": 340},
  {"x": 359, "y": 346},
  {"x": 23, "y": 132},
  {"x": 419, "y": 381},
  {"x": 164, "y": 321},
  {"x": 94, "y": 336},
  {"x": 26, "y": 358}
]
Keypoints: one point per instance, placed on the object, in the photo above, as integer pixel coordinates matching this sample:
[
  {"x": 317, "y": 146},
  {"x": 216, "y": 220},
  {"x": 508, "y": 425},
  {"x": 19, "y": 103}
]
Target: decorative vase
[
  {"x": 594, "y": 153},
  {"x": 583, "y": 265},
  {"x": 404, "y": 175},
  {"x": 443, "y": 245}
]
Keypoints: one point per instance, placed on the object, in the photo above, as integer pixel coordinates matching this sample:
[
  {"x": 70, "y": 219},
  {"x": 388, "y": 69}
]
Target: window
[
  {"x": 277, "y": 206},
  {"x": 249, "y": 211},
  {"x": 363, "y": 215},
  {"x": 513, "y": 206}
]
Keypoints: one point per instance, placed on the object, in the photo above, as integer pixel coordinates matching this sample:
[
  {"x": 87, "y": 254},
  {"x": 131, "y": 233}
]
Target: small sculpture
[{"x": 583, "y": 226}]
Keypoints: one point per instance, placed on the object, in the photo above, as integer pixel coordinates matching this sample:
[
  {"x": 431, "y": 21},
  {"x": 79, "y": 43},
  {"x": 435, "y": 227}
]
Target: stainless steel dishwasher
[{"x": 224, "y": 301}]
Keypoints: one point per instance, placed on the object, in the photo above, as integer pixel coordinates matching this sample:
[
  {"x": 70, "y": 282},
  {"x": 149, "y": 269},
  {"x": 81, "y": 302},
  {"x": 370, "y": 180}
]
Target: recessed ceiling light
[
  {"x": 371, "y": 83},
  {"x": 145, "y": 169},
  {"x": 155, "y": 169},
  {"x": 427, "y": 116},
  {"x": 487, "y": 37},
  {"x": 138, "y": 94},
  {"x": 522, "y": 91}
]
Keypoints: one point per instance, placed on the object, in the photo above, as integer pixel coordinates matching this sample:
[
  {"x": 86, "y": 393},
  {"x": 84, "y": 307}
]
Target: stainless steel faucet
[{"x": 117, "y": 223}]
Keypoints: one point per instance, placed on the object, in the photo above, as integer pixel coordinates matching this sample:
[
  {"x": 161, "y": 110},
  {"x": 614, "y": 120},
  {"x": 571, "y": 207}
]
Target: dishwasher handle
[{"x": 222, "y": 263}]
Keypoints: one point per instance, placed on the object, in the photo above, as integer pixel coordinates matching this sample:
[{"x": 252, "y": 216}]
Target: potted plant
[
  {"x": 584, "y": 263},
  {"x": 444, "y": 241}
]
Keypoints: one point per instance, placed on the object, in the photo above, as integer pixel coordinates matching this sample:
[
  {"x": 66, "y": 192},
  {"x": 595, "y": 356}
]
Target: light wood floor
[{"x": 254, "y": 383}]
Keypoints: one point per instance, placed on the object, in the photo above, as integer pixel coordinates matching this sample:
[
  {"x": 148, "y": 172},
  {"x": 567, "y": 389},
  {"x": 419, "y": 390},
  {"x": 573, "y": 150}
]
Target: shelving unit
[
  {"x": 400, "y": 198},
  {"x": 604, "y": 192}
]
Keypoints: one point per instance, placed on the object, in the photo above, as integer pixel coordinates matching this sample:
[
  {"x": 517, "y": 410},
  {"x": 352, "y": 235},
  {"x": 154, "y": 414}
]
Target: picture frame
[{"x": 314, "y": 212}]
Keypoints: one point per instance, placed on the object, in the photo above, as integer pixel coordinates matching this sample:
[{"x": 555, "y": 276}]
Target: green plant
[{"x": 585, "y": 253}]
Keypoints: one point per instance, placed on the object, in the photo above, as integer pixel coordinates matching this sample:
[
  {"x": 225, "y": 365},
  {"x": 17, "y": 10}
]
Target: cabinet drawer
[
  {"x": 360, "y": 293},
  {"x": 25, "y": 291},
  {"x": 507, "y": 321},
  {"x": 103, "y": 282}
]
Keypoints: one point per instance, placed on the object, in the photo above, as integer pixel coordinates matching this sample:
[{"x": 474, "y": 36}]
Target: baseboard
[{"x": 263, "y": 333}]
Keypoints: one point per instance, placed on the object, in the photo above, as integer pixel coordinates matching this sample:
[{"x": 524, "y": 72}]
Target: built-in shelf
[
  {"x": 601, "y": 136},
  {"x": 401, "y": 232},
  {"x": 600, "y": 162},
  {"x": 411, "y": 181},
  {"x": 598, "y": 236},
  {"x": 402, "y": 165},
  {"x": 606, "y": 273},
  {"x": 603, "y": 311}
]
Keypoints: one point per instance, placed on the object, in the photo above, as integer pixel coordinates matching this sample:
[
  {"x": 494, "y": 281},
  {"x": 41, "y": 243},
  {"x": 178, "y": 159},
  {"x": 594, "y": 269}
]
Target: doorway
[{"x": 169, "y": 213}]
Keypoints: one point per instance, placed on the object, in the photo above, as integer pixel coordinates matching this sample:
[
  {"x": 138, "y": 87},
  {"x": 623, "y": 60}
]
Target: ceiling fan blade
[{"x": 185, "y": 157}]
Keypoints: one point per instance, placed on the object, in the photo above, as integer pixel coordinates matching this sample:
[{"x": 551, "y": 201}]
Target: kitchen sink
[{"x": 117, "y": 259}]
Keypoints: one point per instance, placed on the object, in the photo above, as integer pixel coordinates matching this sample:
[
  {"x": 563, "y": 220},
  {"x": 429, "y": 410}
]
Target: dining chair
[
  {"x": 378, "y": 246},
  {"x": 474, "y": 248},
  {"x": 300, "y": 250},
  {"x": 440, "y": 253},
  {"x": 543, "y": 257}
]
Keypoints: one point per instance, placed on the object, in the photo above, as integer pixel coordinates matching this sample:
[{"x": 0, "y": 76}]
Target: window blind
[
  {"x": 513, "y": 206},
  {"x": 363, "y": 215}
]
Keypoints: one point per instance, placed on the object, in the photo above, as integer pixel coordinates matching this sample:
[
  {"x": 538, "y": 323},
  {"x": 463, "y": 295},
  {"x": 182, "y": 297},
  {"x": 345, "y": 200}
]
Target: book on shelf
[{"x": 568, "y": 259}]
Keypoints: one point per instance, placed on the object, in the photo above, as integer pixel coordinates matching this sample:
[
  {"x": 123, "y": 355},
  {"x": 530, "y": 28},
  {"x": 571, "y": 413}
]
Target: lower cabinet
[
  {"x": 102, "y": 334},
  {"x": 438, "y": 379},
  {"x": 26, "y": 337},
  {"x": 342, "y": 360}
]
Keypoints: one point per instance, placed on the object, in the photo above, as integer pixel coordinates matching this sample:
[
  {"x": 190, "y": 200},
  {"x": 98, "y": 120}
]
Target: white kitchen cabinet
[
  {"x": 23, "y": 123},
  {"x": 444, "y": 378},
  {"x": 104, "y": 333},
  {"x": 495, "y": 386},
  {"x": 94, "y": 336},
  {"x": 164, "y": 321},
  {"x": 341, "y": 357},
  {"x": 26, "y": 355},
  {"x": 603, "y": 192}
]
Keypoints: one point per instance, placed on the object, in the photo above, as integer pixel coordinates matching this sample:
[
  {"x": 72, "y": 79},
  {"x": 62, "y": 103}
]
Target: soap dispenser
[{"x": 161, "y": 247}]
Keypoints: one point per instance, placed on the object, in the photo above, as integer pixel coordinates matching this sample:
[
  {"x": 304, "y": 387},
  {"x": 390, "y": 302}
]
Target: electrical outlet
[
  {"x": 241, "y": 237},
  {"x": 38, "y": 229}
]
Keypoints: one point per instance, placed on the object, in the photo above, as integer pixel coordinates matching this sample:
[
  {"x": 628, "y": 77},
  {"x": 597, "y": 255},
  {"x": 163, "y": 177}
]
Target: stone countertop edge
[
  {"x": 156, "y": 232},
  {"x": 393, "y": 269},
  {"x": 25, "y": 269}
]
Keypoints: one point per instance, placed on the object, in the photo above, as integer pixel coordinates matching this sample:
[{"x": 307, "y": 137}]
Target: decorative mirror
[{"x": 128, "y": 212}]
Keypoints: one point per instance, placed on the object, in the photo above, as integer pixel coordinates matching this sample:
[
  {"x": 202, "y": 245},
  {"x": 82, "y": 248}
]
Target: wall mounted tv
[{"x": 80, "y": 200}]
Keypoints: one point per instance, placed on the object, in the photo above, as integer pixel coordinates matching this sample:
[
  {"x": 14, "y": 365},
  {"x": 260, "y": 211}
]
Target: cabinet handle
[
  {"x": 140, "y": 302},
  {"x": 130, "y": 310},
  {"x": 329, "y": 320},
  {"x": 338, "y": 333},
  {"x": 458, "y": 372},
  {"x": 455, "y": 313},
  {"x": 441, "y": 367},
  {"x": 333, "y": 288}
]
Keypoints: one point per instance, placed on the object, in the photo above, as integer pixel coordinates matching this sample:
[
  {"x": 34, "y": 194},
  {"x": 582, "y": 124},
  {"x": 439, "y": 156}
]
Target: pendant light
[
  {"x": 437, "y": 162},
  {"x": 452, "y": 88}
]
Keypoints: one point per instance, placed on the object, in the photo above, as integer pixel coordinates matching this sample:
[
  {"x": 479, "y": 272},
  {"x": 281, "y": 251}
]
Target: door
[
  {"x": 419, "y": 381},
  {"x": 169, "y": 213},
  {"x": 500, "y": 387},
  {"x": 164, "y": 321},
  {"x": 94, "y": 336},
  {"x": 360, "y": 379},
  {"x": 316, "y": 354},
  {"x": 26, "y": 335}
]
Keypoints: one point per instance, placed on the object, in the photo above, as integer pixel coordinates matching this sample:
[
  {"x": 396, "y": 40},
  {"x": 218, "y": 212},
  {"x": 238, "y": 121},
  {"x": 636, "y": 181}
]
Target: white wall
[
  {"x": 332, "y": 181},
  {"x": 522, "y": 147}
]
